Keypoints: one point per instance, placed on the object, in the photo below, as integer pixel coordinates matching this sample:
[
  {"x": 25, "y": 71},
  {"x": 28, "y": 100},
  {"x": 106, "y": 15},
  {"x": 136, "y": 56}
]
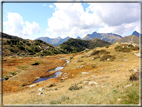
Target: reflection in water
[{"x": 58, "y": 73}]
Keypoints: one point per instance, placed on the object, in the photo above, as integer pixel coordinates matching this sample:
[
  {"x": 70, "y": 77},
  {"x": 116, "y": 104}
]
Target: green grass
[{"x": 22, "y": 67}]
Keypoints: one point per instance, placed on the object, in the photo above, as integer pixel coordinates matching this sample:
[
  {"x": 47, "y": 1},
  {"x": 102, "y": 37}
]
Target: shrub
[
  {"x": 122, "y": 49},
  {"x": 21, "y": 47},
  {"x": 71, "y": 57},
  {"x": 105, "y": 57},
  {"x": 102, "y": 51},
  {"x": 46, "y": 53},
  {"x": 80, "y": 61},
  {"x": 75, "y": 87},
  {"x": 95, "y": 52},
  {"x": 135, "y": 48},
  {"x": 130, "y": 45},
  {"x": 134, "y": 77},
  {"x": 107, "y": 46},
  {"x": 36, "y": 63},
  {"x": 13, "y": 73},
  {"x": 96, "y": 57},
  {"x": 18, "y": 53},
  {"x": 93, "y": 66},
  {"x": 29, "y": 44},
  {"x": 11, "y": 50}
]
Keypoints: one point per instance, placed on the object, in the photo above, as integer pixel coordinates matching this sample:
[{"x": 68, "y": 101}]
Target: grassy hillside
[
  {"x": 15, "y": 46},
  {"x": 102, "y": 75},
  {"x": 129, "y": 39},
  {"x": 77, "y": 45}
]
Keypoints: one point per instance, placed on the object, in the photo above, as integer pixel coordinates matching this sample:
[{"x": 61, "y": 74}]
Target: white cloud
[
  {"x": 70, "y": 19},
  {"x": 51, "y": 6},
  {"x": 44, "y": 4},
  {"x": 16, "y": 26}
]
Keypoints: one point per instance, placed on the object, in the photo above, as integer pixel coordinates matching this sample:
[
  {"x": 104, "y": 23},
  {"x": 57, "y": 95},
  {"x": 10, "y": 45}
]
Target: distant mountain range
[
  {"x": 109, "y": 37},
  {"x": 55, "y": 41}
]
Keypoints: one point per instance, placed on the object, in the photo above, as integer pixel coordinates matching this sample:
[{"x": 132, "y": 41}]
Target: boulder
[
  {"x": 85, "y": 73},
  {"x": 136, "y": 70},
  {"x": 32, "y": 85},
  {"x": 40, "y": 89},
  {"x": 41, "y": 93}
]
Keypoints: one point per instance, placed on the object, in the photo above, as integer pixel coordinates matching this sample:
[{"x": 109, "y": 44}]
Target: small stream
[{"x": 58, "y": 73}]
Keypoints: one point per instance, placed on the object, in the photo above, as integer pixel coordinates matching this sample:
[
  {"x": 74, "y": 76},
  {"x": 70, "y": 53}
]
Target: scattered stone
[
  {"x": 120, "y": 65},
  {"x": 119, "y": 99},
  {"x": 81, "y": 66},
  {"x": 86, "y": 86},
  {"x": 85, "y": 82},
  {"x": 137, "y": 54},
  {"x": 116, "y": 70},
  {"x": 127, "y": 85},
  {"x": 136, "y": 70},
  {"x": 40, "y": 89},
  {"x": 64, "y": 74},
  {"x": 85, "y": 73},
  {"x": 108, "y": 59},
  {"x": 32, "y": 85},
  {"x": 41, "y": 93},
  {"x": 125, "y": 60},
  {"x": 72, "y": 75},
  {"x": 92, "y": 83}
]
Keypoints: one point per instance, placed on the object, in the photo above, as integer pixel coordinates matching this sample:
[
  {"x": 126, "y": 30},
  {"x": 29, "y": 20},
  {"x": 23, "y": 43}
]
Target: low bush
[
  {"x": 13, "y": 73},
  {"x": 135, "y": 48},
  {"x": 122, "y": 49},
  {"x": 107, "y": 46},
  {"x": 75, "y": 87},
  {"x": 134, "y": 77},
  {"x": 46, "y": 53},
  {"x": 36, "y": 63},
  {"x": 80, "y": 61},
  {"x": 102, "y": 51},
  {"x": 105, "y": 57},
  {"x": 95, "y": 52},
  {"x": 71, "y": 57},
  {"x": 96, "y": 57}
]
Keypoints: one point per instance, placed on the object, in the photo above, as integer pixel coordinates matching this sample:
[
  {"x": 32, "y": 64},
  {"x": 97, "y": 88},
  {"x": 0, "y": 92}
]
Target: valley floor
[{"x": 85, "y": 80}]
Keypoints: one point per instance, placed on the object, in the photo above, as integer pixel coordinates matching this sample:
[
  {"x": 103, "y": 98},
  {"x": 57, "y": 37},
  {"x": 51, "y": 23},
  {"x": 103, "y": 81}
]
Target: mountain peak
[
  {"x": 78, "y": 37},
  {"x": 135, "y": 33}
]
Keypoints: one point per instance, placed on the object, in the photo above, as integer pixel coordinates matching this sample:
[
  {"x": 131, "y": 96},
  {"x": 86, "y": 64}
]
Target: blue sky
[{"x": 33, "y": 20}]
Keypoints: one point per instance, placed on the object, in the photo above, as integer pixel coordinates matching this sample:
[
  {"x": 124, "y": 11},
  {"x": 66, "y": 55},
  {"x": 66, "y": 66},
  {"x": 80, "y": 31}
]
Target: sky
[{"x": 33, "y": 20}]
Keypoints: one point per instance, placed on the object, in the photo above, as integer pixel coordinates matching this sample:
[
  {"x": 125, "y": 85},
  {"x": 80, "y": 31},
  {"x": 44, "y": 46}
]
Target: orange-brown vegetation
[{"x": 27, "y": 77}]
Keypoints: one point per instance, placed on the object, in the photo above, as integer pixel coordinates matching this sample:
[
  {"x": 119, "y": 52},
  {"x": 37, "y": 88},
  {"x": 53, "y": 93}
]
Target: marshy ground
[{"x": 92, "y": 77}]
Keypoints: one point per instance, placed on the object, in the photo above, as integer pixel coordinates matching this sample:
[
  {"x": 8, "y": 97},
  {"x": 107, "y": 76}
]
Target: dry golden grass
[{"x": 111, "y": 78}]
